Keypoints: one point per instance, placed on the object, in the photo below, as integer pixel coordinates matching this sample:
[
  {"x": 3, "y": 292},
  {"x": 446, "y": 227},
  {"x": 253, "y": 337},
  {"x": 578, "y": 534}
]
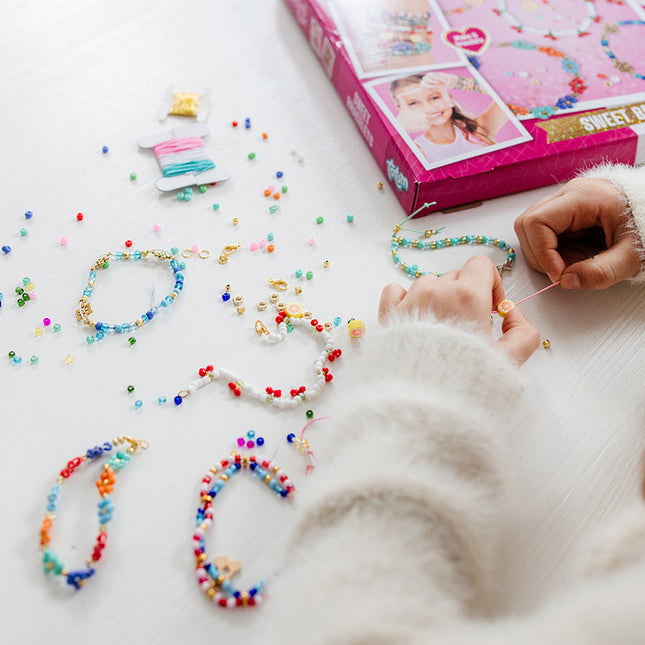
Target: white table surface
[{"x": 80, "y": 75}]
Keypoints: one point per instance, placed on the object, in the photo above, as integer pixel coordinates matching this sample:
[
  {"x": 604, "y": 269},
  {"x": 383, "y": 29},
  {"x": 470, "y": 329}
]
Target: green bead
[
  {"x": 19, "y": 290},
  {"x": 273, "y": 209},
  {"x": 290, "y": 328},
  {"x": 174, "y": 250},
  {"x": 181, "y": 197},
  {"x": 285, "y": 189},
  {"x": 21, "y": 303},
  {"x": 350, "y": 219},
  {"x": 202, "y": 189},
  {"x": 132, "y": 340},
  {"x": 26, "y": 281},
  {"x": 182, "y": 265},
  {"x": 89, "y": 340},
  {"x": 270, "y": 237},
  {"x": 310, "y": 414},
  {"x": 106, "y": 264},
  {"x": 215, "y": 206},
  {"x": 309, "y": 275},
  {"x": 23, "y": 232},
  {"x": 34, "y": 359},
  {"x": 130, "y": 388},
  {"x": 25, "y": 296},
  {"x": 320, "y": 220},
  {"x": 12, "y": 354},
  {"x": 133, "y": 176},
  {"x": 56, "y": 327},
  {"x": 251, "y": 155}
]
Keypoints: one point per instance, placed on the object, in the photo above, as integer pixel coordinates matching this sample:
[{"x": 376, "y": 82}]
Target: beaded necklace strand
[
  {"x": 415, "y": 271},
  {"x": 52, "y": 564},
  {"x": 289, "y": 318},
  {"x": 84, "y": 310},
  {"x": 214, "y": 578}
]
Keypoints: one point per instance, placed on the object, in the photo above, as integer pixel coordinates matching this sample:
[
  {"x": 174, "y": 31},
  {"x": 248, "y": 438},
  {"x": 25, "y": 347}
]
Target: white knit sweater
[{"x": 399, "y": 533}]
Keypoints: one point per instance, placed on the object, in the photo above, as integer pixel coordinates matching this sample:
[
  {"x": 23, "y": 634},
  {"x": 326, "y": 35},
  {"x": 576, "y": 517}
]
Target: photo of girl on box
[
  {"x": 425, "y": 105},
  {"x": 447, "y": 115}
]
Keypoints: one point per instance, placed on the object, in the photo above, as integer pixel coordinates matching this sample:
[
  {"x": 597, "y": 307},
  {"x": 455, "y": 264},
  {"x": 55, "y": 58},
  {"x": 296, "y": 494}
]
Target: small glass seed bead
[
  {"x": 89, "y": 340},
  {"x": 202, "y": 189},
  {"x": 69, "y": 359},
  {"x": 34, "y": 359},
  {"x": 310, "y": 414},
  {"x": 273, "y": 209},
  {"x": 26, "y": 281},
  {"x": 28, "y": 215},
  {"x": 133, "y": 176},
  {"x": 19, "y": 290},
  {"x": 320, "y": 219},
  {"x": 298, "y": 273},
  {"x": 285, "y": 189},
  {"x": 23, "y": 232},
  {"x": 11, "y": 354},
  {"x": 130, "y": 388},
  {"x": 138, "y": 403},
  {"x": 57, "y": 327},
  {"x": 105, "y": 150},
  {"x": 6, "y": 249},
  {"x": 350, "y": 218},
  {"x": 174, "y": 250},
  {"x": 260, "y": 441},
  {"x": 251, "y": 155},
  {"x": 132, "y": 340},
  {"x": 215, "y": 206},
  {"x": 270, "y": 237},
  {"x": 162, "y": 400},
  {"x": 309, "y": 275},
  {"x": 47, "y": 322},
  {"x": 17, "y": 360},
  {"x": 38, "y": 331}
]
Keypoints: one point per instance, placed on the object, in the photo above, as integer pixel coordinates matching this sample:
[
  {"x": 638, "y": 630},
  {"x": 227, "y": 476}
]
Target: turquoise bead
[{"x": 298, "y": 273}]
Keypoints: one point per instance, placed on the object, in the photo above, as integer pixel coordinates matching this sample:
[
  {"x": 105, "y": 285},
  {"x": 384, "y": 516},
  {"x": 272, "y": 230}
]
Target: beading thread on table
[
  {"x": 415, "y": 271},
  {"x": 182, "y": 156},
  {"x": 288, "y": 319},
  {"x": 84, "y": 310},
  {"x": 52, "y": 564},
  {"x": 215, "y": 577}
]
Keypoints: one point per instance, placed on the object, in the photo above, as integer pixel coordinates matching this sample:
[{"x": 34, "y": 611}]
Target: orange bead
[
  {"x": 276, "y": 195},
  {"x": 267, "y": 192},
  {"x": 265, "y": 135},
  {"x": 270, "y": 248}
]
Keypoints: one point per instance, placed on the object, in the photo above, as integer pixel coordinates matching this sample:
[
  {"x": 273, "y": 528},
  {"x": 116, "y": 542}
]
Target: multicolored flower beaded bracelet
[
  {"x": 415, "y": 271},
  {"x": 215, "y": 577},
  {"x": 288, "y": 319},
  {"x": 621, "y": 66},
  {"x": 84, "y": 310},
  {"x": 52, "y": 564}
]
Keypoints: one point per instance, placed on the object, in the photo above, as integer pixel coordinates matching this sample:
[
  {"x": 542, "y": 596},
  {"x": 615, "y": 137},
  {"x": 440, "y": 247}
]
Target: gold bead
[
  {"x": 38, "y": 331},
  {"x": 379, "y": 185},
  {"x": 326, "y": 263},
  {"x": 227, "y": 288},
  {"x": 241, "y": 310},
  {"x": 327, "y": 326},
  {"x": 298, "y": 290},
  {"x": 274, "y": 297},
  {"x": 463, "y": 240},
  {"x": 429, "y": 232},
  {"x": 279, "y": 306},
  {"x": 235, "y": 221},
  {"x": 210, "y": 593},
  {"x": 262, "y": 305},
  {"x": 238, "y": 300},
  {"x": 308, "y": 315},
  {"x": 546, "y": 343}
]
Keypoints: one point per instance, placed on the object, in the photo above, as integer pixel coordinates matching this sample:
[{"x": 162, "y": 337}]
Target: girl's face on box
[{"x": 434, "y": 103}]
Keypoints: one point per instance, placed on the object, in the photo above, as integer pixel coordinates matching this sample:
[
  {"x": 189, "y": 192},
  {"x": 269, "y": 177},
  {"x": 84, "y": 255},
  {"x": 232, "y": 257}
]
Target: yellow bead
[
  {"x": 546, "y": 343},
  {"x": 69, "y": 359},
  {"x": 356, "y": 328},
  {"x": 236, "y": 221},
  {"x": 326, "y": 263},
  {"x": 504, "y": 307},
  {"x": 379, "y": 184},
  {"x": 240, "y": 310},
  {"x": 38, "y": 331}
]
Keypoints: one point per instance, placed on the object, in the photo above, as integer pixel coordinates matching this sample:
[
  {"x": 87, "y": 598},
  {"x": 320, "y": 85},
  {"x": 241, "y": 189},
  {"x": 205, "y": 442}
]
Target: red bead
[
  {"x": 294, "y": 392},
  {"x": 223, "y": 463},
  {"x": 237, "y": 392},
  {"x": 79, "y": 217},
  {"x": 128, "y": 243},
  {"x": 202, "y": 371},
  {"x": 232, "y": 385},
  {"x": 251, "y": 601},
  {"x": 234, "y": 124},
  {"x": 325, "y": 370},
  {"x": 301, "y": 389},
  {"x": 266, "y": 463},
  {"x": 65, "y": 473},
  {"x": 209, "y": 368},
  {"x": 328, "y": 377},
  {"x": 96, "y": 555},
  {"x": 269, "y": 390},
  {"x": 313, "y": 322},
  {"x": 279, "y": 319},
  {"x": 330, "y": 357},
  {"x": 206, "y": 480},
  {"x": 102, "y": 538},
  {"x": 338, "y": 352},
  {"x": 277, "y": 393},
  {"x": 238, "y": 602},
  {"x": 319, "y": 327},
  {"x": 222, "y": 601},
  {"x": 198, "y": 552}
]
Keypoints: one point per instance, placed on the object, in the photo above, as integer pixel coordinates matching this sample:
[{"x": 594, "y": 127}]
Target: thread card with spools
[{"x": 183, "y": 157}]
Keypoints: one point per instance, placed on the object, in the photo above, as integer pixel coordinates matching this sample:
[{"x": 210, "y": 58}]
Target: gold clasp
[
  {"x": 260, "y": 328},
  {"x": 280, "y": 285},
  {"x": 230, "y": 249},
  {"x": 101, "y": 261},
  {"x": 160, "y": 253}
]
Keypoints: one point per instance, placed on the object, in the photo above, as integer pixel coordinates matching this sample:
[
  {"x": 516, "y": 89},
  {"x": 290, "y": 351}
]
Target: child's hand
[
  {"x": 441, "y": 80},
  {"x": 469, "y": 294},
  {"x": 586, "y": 209},
  {"x": 412, "y": 120}
]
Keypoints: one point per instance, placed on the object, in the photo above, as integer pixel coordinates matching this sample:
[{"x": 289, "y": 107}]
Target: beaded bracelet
[
  {"x": 288, "y": 319},
  {"x": 214, "y": 577},
  {"x": 85, "y": 307},
  {"x": 414, "y": 271},
  {"x": 52, "y": 565},
  {"x": 621, "y": 66}
]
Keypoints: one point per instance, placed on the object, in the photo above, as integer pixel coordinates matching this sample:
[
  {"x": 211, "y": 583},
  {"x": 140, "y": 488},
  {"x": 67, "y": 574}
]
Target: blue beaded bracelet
[
  {"x": 84, "y": 310},
  {"x": 415, "y": 271},
  {"x": 215, "y": 577}
]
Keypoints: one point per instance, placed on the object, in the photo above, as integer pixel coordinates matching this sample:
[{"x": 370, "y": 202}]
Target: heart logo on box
[{"x": 473, "y": 40}]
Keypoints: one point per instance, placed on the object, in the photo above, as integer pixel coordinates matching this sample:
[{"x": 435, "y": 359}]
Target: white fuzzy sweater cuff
[{"x": 630, "y": 180}]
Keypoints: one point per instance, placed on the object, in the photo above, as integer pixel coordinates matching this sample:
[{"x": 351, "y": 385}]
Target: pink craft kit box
[{"x": 464, "y": 100}]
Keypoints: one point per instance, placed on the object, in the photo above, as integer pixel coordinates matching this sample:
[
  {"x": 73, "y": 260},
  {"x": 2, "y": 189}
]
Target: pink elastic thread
[
  {"x": 309, "y": 452},
  {"x": 555, "y": 284},
  {"x": 177, "y": 145}
]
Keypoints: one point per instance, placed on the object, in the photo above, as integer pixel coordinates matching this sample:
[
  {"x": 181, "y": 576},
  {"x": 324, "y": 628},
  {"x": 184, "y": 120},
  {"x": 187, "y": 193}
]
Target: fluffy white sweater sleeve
[{"x": 398, "y": 533}]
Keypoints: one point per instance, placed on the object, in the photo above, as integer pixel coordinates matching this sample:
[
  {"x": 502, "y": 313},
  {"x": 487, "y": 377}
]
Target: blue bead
[
  {"x": 28, "y": 215},
  {"x": 250, "y": 434},
  {"x": 105, "y": 149},
  {"x": 291, "y": 437},
  {"x": 226, "y": 297},
  {"x": 98, "y": 326},
  {"x": 279, "y": 174},
  {"x": 178, "y": 400},
  {"x": 150, "y": 315},
  {"x": 162, "y": 400},
  {"x": 6, "y": 249},
  {"x": 260, "y": 441}
]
